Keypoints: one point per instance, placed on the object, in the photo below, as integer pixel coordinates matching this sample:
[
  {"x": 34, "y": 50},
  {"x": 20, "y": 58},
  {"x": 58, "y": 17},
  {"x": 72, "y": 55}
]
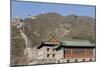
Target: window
[
  {"x": 76, "y": 60},
  {"x": 90, "y": 51},
  {"x": 83, "y": 60},
  {"x": 48, "y": 55},
  {"x": 82, "y": 51},
  {"x": 67, "y": 51},
  {"x": 53, "y": 49},
  {"x": 48, "y": 49},
  {"x": 68, "y": 61},
  {"x": 53, "y": 55},
  {"x": 78, "y": 51},
  {"x": 90, "y": 59}
]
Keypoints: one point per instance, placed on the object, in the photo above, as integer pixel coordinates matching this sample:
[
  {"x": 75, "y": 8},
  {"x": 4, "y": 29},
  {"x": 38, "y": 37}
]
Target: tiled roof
[
  {"x": 78, "y": 43},
  {"x": 52, "y": 43},
  {"x": 68, "y": 43}
]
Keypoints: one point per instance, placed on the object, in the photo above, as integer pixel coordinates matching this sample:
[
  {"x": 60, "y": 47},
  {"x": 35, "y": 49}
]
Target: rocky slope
[{"x": 44, "y": 26}]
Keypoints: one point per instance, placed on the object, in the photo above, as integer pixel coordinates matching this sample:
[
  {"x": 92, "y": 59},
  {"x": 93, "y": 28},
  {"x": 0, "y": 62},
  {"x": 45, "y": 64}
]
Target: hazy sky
[{"x": 23, "y": 9}]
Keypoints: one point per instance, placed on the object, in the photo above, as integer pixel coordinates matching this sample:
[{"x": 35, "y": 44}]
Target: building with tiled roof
[{"x": 55, "y": 51}]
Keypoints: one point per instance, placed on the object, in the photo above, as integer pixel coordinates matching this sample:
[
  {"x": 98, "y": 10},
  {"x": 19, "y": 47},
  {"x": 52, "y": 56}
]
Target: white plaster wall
[
  {"x": 40, "y": 54},
  {"x": 43, "y": 53},
  {"x": 59, "y": 54}
]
